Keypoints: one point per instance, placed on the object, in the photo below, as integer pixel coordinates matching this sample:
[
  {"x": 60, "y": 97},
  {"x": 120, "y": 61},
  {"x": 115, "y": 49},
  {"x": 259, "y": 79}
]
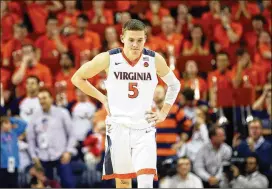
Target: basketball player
[{"x": 131, "y": 81}]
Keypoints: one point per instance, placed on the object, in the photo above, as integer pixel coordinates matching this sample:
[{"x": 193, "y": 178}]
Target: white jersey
[{"x": 130, "y": 88}]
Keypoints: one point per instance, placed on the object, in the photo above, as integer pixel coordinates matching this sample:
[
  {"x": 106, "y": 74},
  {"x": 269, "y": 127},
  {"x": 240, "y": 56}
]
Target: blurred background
[{"x": 218, "y": 133}]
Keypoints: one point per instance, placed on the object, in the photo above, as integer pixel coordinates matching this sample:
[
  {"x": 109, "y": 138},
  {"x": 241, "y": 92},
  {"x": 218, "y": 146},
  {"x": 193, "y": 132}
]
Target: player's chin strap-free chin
[{"x": 173, "y": 87}]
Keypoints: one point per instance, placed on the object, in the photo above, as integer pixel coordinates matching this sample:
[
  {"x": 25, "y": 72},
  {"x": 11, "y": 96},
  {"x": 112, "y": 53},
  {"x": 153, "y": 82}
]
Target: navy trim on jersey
[
  {"x": 148, "y": 52},
  {"x": 145, "y": 52},
  {"x": 115, "y": 51},
  {"x": 107, "y": 160}
]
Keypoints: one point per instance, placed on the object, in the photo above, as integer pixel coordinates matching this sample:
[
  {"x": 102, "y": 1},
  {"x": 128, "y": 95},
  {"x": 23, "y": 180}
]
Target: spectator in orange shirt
[
  {"x": 184, "y": 21},
  {"x": 211, "y": 18},
  {"x": 152, "y": 42},
  {"x": 171, "y": 40},
  {"x": 111, "y": 39},
  {"x": 243, "y": 10},
  {"x": 220, "y": 78},
  {"x": 245, "y": 73},
  {"x": 67, "y": 18},
  {"x": 30, "y": 66},
  {"x": 99, "y": 15},
  {"x": 8, "y": 19},
  {"x": 193, "y": 81},
  {"x": 12, "y": 49},
  {"x": 251, "y": 37},
  {"x": 227, "y": 34},
  {"x": 50, "y": 45},
  {"x": 84, "y": 44},
  {"x": 65, "y": 90},
  {"x": 156, "y": 13},
  {"x": 38, "y": 12},
  {"x": 263, "y": 54},
  {"x": 197, "y": 43}
]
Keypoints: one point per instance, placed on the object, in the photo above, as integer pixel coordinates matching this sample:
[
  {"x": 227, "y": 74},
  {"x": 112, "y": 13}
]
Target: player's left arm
[{"x": 173, "y": 89}]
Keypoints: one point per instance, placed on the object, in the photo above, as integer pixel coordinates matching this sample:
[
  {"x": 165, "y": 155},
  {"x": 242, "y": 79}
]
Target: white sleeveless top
[{"x": 130, "y": 89}]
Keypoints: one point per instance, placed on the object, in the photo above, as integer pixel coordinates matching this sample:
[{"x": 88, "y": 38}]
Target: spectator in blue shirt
[
  {"x": 11, "y": 128},
  {"x": 255, "y": 143}
]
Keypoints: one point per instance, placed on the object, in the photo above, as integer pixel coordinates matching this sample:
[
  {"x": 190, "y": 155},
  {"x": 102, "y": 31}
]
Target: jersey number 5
[{"x": 133, "y": 88}]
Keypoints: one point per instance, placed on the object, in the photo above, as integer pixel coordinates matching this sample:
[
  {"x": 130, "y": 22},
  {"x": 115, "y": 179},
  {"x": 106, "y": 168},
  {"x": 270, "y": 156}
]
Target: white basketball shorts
[{"x": 129, "y": 152}]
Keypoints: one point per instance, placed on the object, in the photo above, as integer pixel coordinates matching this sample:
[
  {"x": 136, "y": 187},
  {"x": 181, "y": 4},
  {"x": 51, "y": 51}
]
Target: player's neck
[{"x": 130, "y": 56}]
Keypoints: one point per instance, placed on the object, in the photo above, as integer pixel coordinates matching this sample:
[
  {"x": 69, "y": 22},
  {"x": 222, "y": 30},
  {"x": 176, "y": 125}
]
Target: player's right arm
[{"x": 89, "y": 70}]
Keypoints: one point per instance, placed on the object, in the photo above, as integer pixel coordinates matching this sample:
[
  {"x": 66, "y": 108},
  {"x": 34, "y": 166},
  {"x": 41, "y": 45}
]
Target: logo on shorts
[
  {"x": 146, "y": 64},
  {"x": 117, "y": 63},
  {"x": 109, "y": 128},
  {"x": 148, "y": 131}
]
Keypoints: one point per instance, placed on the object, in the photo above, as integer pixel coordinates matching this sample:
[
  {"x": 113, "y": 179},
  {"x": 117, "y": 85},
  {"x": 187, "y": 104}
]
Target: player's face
[{"x": 134, "y": 41}]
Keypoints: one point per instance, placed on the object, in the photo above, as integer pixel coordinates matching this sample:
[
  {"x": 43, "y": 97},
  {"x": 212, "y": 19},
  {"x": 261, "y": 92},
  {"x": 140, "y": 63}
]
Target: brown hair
[{"x": 134, "y": 25}]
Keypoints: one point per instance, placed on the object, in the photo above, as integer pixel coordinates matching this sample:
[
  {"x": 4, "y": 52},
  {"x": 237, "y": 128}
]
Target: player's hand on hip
[{"x": 154, "y": 117}]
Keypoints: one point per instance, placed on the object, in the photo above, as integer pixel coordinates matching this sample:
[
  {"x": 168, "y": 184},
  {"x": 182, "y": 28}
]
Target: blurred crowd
[{"x": 217, "y": 134}]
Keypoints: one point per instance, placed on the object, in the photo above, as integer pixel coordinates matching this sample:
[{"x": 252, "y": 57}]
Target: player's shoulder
[
  {"x": 115, "y": 51},
  {"x": 149, "y": 52},
  {"x": 101, "y": 57}
]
